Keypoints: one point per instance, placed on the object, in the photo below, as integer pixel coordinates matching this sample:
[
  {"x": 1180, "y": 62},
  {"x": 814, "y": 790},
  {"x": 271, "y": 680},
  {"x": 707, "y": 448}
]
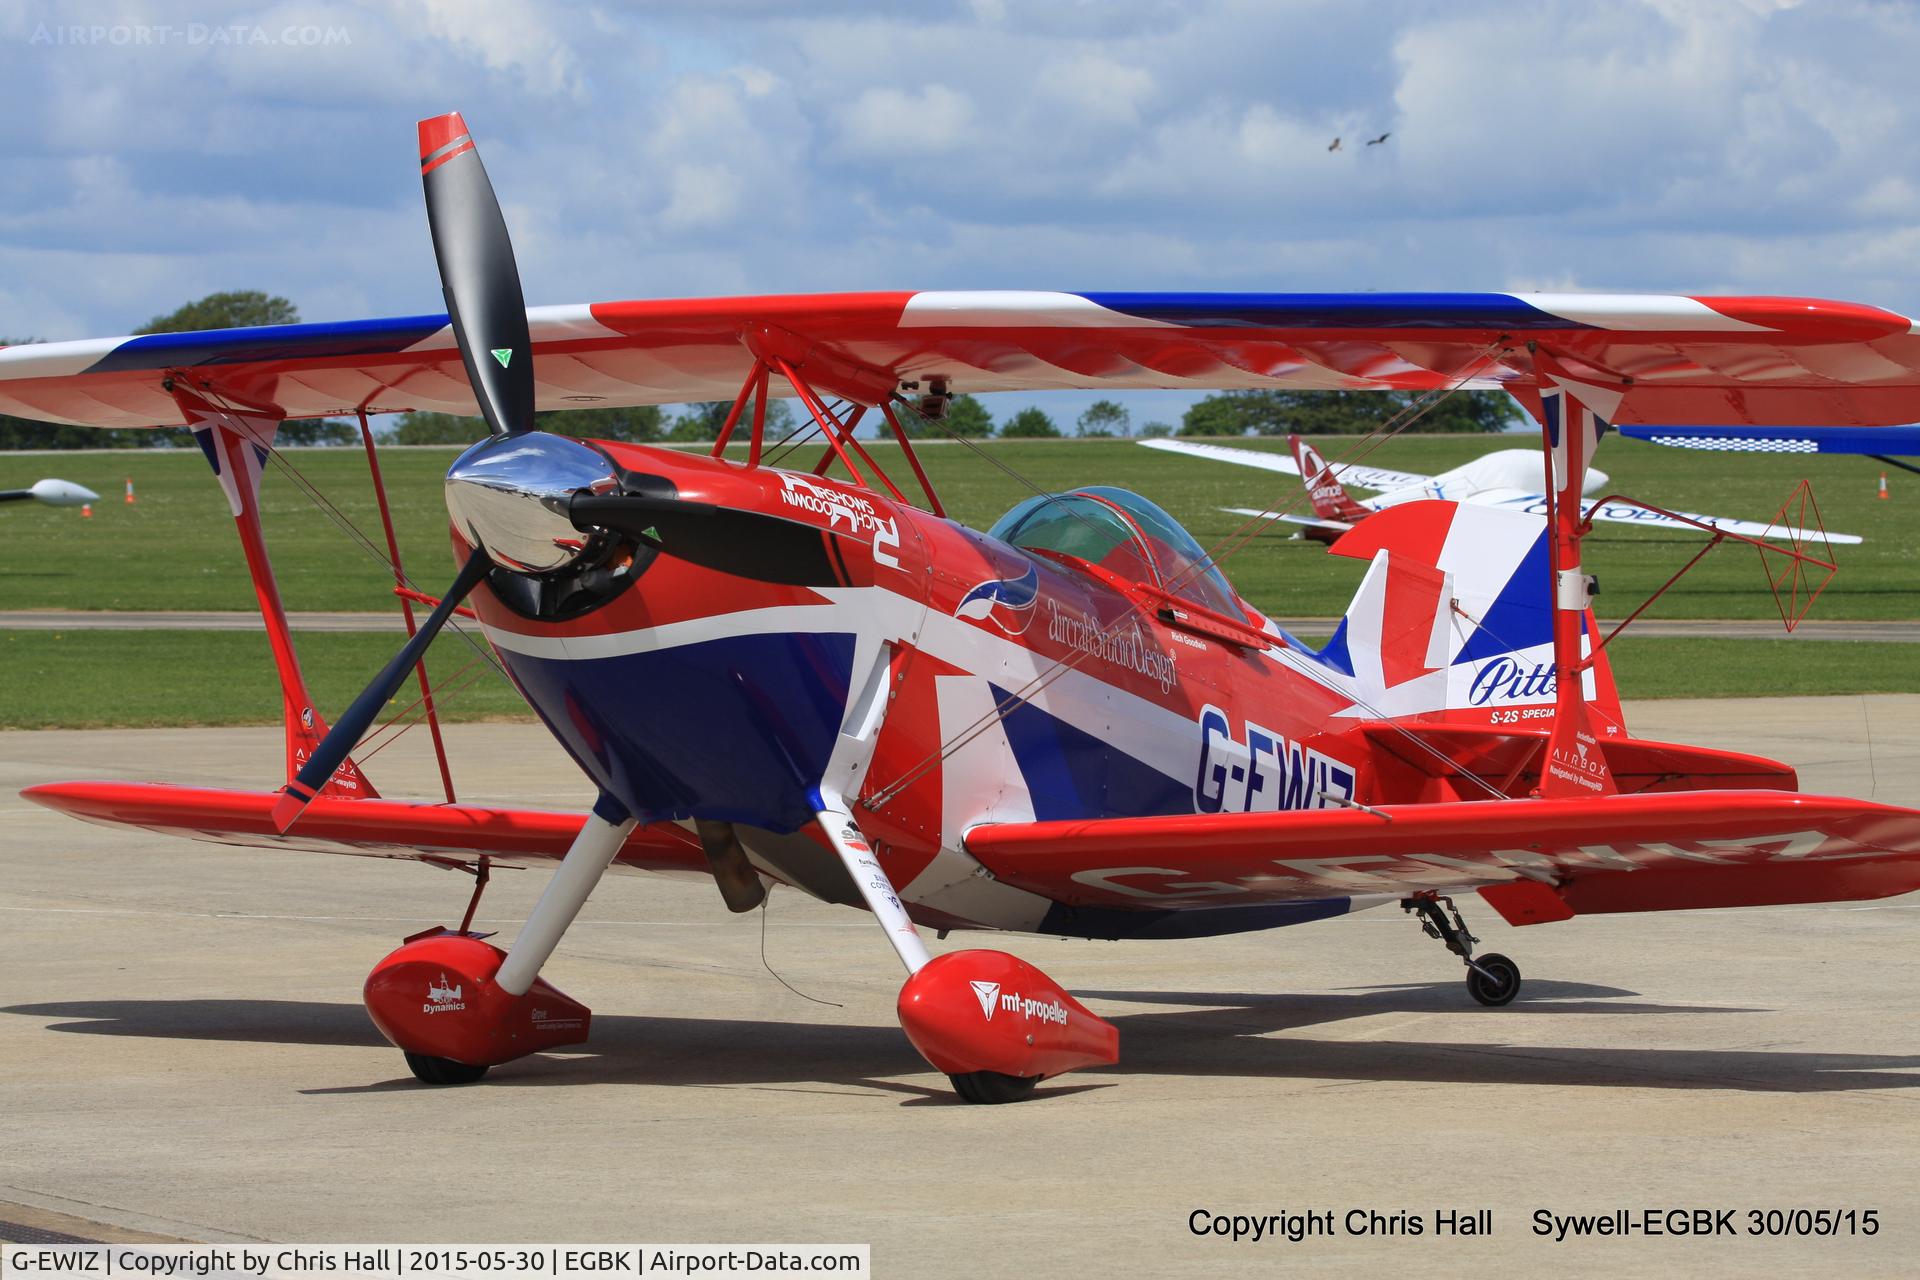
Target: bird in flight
[
  {"x": 1373, "y": 142},
  {"x": 1334, "y": 145}
]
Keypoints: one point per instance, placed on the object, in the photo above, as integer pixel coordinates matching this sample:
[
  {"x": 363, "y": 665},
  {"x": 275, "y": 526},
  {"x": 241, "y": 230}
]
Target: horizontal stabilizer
[{"x": 1415, "y": 762}]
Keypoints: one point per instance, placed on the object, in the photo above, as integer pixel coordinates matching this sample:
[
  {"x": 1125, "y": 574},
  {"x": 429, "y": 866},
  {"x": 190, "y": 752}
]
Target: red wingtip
[
  {"x": 288, "y": 808},
  {"x": 438, "y": 132}
]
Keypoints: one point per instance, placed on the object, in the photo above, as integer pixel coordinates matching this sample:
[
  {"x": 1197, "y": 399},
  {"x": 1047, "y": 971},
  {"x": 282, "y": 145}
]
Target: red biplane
[{"x": 1067, "y": 725}]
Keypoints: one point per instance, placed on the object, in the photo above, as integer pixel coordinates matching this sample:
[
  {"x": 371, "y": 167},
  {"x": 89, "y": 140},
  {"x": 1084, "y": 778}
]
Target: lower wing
[
  {"x": 1533, "y": 860},
  {"x": 1627, "y": 513},
  {"x": 440, "y": 833}
]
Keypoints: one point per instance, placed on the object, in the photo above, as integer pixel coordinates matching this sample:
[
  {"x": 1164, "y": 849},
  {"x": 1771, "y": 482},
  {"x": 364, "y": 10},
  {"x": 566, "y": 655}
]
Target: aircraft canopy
[{"x": 1124, "y": 533}]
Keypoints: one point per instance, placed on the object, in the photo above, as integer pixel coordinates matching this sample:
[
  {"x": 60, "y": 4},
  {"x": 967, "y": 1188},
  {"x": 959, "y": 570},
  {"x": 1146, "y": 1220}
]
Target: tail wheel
[
  {"x": 989, "y": 1088},
  {"x": 1494, "y": 980},
  {"x": 442, "y": 1070}
]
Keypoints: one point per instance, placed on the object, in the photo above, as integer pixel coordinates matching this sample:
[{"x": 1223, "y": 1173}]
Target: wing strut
[
  {"x": 236, "y": 443},
  {"x": 857, "y": 389},
  {"x": 1574, "y": 416}
]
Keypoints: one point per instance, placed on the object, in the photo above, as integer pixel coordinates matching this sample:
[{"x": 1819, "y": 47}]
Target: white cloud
[
  {"x": 519, "y": 36},
  {"x": 700, "y": 195},
  {"x": 757, "y": 81},
  {"x": 695, "y": 149},
  {"x": 1098, "y": 88},
  {"x": 899, "y": 124}
]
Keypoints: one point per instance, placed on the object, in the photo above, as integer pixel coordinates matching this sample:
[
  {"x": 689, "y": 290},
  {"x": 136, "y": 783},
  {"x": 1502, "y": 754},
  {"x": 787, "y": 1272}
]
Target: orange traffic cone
[
  {"x": 86, "y": 511},
  {"x": 129, "y": 490},
  {"x": 1883, "y": 486}
]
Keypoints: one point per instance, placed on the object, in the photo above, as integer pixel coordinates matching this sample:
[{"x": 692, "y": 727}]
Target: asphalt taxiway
[{"x": 183, "y": 1054}]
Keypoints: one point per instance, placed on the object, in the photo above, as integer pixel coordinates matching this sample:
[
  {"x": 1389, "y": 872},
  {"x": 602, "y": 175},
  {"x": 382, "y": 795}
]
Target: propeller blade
[
  {"x": 747, "y": 544},
  {"x": 478, "y": 275},
  {"x": 353, "y": 724}
]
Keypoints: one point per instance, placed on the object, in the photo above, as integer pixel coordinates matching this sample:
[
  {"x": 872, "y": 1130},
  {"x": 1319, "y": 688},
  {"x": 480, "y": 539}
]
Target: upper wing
[
  {"x": 372, "y": 828},
  {"x": 1533, "y": 859},
  {"x": 1627, "y": 513},
  {"x": 1358, "y": 476},
  {"x": 1703, "y": 360},
  {"x": 1895, "y": 441}
]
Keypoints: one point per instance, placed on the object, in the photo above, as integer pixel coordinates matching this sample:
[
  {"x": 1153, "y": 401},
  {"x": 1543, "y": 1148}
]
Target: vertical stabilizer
[
  {"x": 1329, "y": 497},
  {"x": 1455, "y": 621}
]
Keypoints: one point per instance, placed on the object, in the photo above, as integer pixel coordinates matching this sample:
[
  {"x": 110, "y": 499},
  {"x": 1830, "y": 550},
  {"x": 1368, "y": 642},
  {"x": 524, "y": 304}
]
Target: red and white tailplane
[{"x": 1330, "y": 498}]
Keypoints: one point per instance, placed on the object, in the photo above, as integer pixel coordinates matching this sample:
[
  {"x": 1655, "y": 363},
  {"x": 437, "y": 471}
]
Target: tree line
[{"x": 1230, "y": 413}]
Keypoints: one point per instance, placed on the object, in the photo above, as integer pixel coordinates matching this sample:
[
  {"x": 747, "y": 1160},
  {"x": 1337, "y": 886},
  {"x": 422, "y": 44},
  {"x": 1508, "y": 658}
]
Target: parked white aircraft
[
  {"x": 1504, "y": 478},
  {"x": 55, "y": 493}
]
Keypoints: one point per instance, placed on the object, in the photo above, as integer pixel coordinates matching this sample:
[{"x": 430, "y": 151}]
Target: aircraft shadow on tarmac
[{"x": 1206, "y": 1034}]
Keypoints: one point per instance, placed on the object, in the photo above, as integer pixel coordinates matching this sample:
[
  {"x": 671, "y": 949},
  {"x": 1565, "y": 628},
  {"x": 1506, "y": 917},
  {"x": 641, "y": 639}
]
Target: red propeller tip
[
  {"x": 288, "y": 808},
  {"x": 437, "y": 133}
]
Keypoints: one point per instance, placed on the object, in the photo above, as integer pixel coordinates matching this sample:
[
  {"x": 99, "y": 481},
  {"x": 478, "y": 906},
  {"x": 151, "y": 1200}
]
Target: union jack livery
[{"x": 1068, "y": 725}]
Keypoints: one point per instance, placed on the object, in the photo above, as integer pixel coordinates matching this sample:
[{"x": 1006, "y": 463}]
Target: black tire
[
  {"x": 442, "y": 1070},
  {"x": 990, "y": 1088},
  {"x": 1503, "y": 985}
]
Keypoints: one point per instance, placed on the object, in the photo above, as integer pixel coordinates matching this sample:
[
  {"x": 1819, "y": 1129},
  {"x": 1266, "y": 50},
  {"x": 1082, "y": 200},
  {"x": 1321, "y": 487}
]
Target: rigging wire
[
  {"x": 236, "y": 420},
  {"x": 446, "y": 690},
  {"x": 1409, "y": 414},
  {"x": 812, "y": 426}
]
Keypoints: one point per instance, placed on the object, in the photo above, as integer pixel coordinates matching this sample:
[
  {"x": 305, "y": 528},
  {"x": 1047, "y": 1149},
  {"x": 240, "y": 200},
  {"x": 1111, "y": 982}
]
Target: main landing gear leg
[
  {"x": 1492, "y": 979},
  {"x": 857, "y": 856},
  {"x": 456, "y": 1005},
  {"x": 994, "y": 1024},
  {"x": 588, "y": 858}
]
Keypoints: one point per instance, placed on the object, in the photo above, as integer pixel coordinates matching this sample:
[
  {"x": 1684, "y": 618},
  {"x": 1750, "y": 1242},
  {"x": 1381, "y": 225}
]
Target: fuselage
[
  {"x": 950, "y": 679},
  {"x": 1504, "y": 471}
]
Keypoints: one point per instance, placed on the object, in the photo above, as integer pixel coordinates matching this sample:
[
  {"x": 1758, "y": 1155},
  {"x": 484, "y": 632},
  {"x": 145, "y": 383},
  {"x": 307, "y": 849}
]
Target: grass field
[
  {"x": 110, "y": 679},
  {"x": 175, "y": 549}
]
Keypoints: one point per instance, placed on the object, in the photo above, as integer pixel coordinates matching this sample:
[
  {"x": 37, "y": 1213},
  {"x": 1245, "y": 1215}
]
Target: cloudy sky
[{"x": 687, "y": 147}]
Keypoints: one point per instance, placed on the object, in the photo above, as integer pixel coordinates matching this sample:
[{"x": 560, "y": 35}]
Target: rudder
[{"x": 1329, "y": 497}]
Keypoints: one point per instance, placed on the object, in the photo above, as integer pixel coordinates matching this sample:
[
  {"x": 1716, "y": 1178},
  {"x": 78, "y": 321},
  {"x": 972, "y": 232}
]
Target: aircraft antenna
[
  {"x": 1873, "y": 774},
  {"x": 765, "y": 899}
]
